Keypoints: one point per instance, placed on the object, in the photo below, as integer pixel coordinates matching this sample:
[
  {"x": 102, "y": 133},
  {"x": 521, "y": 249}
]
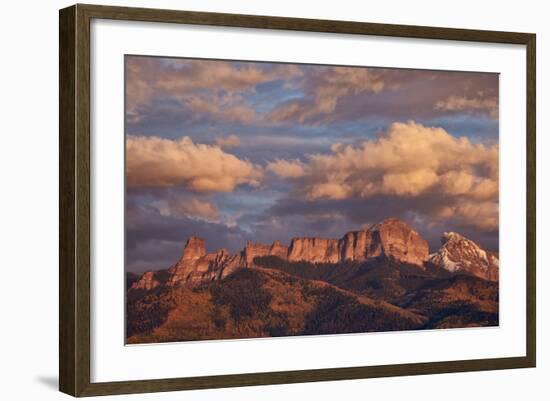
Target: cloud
[
  {"x": 229, "y": 92},
  {"x": 411, "y": 183},
  {"x": 220, "y": 107},
  {"x": 343, "y": 94},
  {"x": 473, "y": 105},
  {"x": 430, "y": 213},
  {"x": 408, "y": 161},
  {"x": 291, "y": 216},
  {"x": 146, "y": 76},
  {"x": 228, "y": 141},
  {"x": 287, "y": 169},
  {"x": 211, "y": 87},
  {"x": 481, "y": 215},
  {"x": 187, "y": 206},
  {"x": 155, "y": 241},
  {"x": 154, "y": 161},
  {"x": 323, "y": 88}
]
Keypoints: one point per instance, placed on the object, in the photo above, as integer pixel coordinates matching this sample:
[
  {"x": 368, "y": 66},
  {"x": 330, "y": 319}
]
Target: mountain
[
  {"x": 131, "y": 278},
  {"x": 456, "y": 301},
  {"x": 259, "y": 303},
  {"x": 196, "y": 266},
  {"x": 391, "y": 239},
  {"x": 379, "y": 278},
  {"x": 459, "y": 254}
]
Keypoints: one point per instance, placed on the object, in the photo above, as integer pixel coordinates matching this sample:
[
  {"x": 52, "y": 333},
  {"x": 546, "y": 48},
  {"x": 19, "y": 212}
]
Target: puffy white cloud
[{"x": 153, "y": 161}]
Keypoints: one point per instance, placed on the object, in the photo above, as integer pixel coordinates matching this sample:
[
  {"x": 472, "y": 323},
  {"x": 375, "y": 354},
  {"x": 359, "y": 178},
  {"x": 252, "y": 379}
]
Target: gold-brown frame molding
[{"x": 74, "y": 199}]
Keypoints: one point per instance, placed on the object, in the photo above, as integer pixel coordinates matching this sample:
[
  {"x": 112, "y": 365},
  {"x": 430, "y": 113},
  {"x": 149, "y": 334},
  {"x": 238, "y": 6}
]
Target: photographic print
[{"x": 268, "y": 199}]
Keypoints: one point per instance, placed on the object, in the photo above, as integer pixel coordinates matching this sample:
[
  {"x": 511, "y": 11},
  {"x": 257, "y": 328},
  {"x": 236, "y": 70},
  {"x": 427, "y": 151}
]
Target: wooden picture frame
[{"x": 74, "y": 204}]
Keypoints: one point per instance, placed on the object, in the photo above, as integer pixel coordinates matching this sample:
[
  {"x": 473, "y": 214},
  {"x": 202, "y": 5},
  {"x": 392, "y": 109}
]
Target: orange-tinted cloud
[
  {"x": 481, "y": 215},
  {"x": 409, "y": 160},
  {"x": 153, "y": 161},
  {"x": 187, "y": 206},
  {"x": 333, "y": 94},
  {"x": 324, "y": 89},
  {"x": 479, "y": 104},
  {"x": 211, "y": 87},
  {"x": 287, "y": 169}
]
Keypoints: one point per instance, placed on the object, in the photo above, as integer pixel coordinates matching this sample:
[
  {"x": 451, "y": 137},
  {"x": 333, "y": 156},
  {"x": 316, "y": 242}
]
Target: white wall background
[{"x": 29, "y": 184}]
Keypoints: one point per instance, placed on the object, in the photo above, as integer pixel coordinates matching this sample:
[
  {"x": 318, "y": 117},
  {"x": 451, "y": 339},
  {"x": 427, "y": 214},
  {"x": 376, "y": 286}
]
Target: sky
[{"x": 235, "y": 151}]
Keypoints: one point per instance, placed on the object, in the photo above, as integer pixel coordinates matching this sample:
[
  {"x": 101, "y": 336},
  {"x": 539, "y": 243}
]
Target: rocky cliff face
[
  {"x": 458, "y": 253},
  {"x": 355, "y": 245},
  {"x": 314, "y": 250},
  {"x": 146, "y": 282},
  {"x": 196, "y": 266},
  {"x": 396, "y": 240},
  {"x": 279, "y": 250},
  {"x": 391, "y": 239},
  {"x": 194, "y": 249},
  {"x": 254, "y": 250}
]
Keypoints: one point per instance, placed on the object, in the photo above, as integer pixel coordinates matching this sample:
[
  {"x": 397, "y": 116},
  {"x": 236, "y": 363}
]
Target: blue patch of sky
[
  {"x": 269, "y": 95},
  {"x": 173, "y": 63},
  {"x": 247, "y": 200},
  {"x": 262, "y": 141},
  {"x": 245, "y": 197},
  {"x": 478, "y": 129}
]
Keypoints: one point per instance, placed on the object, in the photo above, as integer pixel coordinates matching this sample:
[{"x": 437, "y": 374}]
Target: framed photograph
[{"x": 250, "y": 200}]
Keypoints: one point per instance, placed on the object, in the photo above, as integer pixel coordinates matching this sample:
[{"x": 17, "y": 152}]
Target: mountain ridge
[
  {"x": 391, "y": 239},
  {"x": 379, "y": 278}
]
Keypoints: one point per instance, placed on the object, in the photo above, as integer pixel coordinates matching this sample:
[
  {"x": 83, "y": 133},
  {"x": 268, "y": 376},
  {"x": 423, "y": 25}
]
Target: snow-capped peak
[{"x": 459, "y": 253}]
